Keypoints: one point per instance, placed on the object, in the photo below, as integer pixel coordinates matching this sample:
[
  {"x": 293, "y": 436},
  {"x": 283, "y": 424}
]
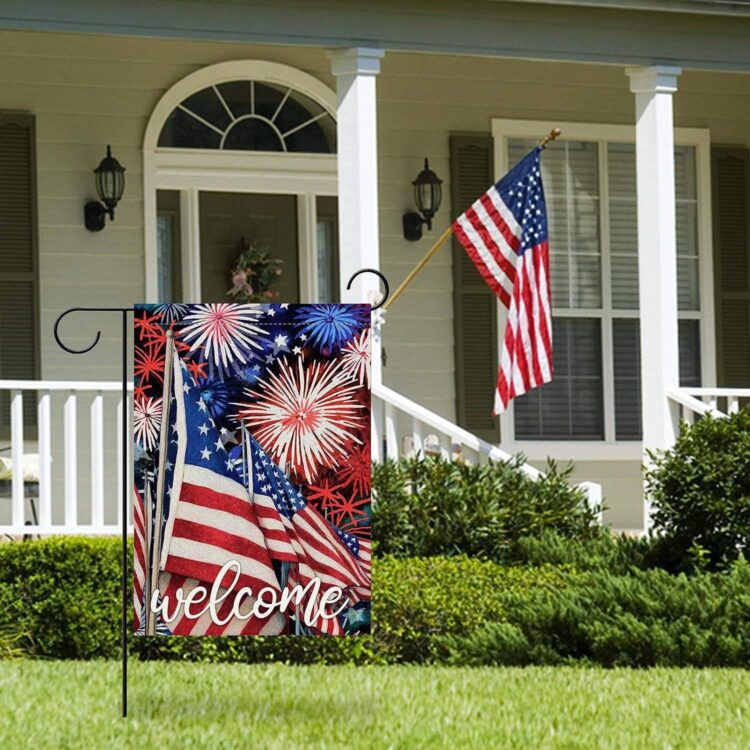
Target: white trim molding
[
  {"x": 610, "y": 448},
  {"x": 191, "y": 171}
]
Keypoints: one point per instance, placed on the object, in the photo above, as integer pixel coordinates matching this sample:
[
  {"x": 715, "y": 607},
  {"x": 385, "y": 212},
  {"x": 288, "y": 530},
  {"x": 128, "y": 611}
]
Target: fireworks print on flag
[
  {"x": 227, "y": 335},
  {"x": 307, "y": 415},
  {"x": 294, "y": 378},
  {"x": 146, "y": 422}
]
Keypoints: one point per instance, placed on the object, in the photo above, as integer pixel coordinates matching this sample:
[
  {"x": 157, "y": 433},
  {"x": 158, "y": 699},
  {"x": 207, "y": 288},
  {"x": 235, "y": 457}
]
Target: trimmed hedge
[
  {"x": 431, "y": 506},
  {"x": 644, "y": 619},
  {"x": 64, "y": 595}
]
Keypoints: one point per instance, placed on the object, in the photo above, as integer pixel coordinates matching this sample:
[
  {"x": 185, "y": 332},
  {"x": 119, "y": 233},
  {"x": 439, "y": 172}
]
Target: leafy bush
[
  {"x": 418, "y": 600},
  {"x": 434, "y": 507},
  {"x": 701, "y": 493},
  {"x": 64, "y": 595},
  {"x": 618, "y": 554},
  {"x": 644, "y": 619}
]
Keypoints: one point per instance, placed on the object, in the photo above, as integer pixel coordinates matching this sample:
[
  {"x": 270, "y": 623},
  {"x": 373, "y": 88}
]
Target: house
[{"x": 301, "y": 126}]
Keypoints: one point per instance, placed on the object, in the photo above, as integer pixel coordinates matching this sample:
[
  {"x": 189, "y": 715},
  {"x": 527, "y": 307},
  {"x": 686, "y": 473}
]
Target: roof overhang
[{"x": 704, "y": 7}]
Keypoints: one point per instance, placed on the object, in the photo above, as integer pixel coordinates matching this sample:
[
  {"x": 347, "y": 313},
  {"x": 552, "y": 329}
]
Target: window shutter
[
  {"x": 18, "y": 256},
  {"x": 731, "y": 213},
  {"x": 475, "y": 321}
]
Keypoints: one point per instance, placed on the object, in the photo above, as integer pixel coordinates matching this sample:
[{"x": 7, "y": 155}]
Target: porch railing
[
  {"x": 63, "y": 457},
  {"x": 715, "y": 402},
  {"x": 63, "y": 453},
  {"x": 400, "y": 427}
]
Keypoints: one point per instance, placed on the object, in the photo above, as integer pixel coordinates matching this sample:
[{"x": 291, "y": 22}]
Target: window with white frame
[{"x": 590, "y": 189}]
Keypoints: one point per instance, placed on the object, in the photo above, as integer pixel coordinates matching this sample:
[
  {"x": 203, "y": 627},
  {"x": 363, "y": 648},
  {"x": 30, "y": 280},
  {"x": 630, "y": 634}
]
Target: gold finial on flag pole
[{"x": 551, "y": 136}]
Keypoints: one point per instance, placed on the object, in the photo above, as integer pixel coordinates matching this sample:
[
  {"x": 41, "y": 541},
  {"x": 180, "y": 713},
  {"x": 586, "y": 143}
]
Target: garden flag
[
  {"x": 252, "y": 471},
  {"x": 504, "y": 233}
]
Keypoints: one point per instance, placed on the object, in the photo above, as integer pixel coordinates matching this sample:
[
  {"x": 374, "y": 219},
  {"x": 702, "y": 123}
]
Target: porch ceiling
[{"x": 559, "y": 31}]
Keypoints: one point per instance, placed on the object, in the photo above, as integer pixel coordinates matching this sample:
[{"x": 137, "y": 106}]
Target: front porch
[{"x": 84, "y": 91}]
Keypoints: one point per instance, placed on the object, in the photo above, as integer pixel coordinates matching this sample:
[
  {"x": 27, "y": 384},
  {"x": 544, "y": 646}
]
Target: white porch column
[
  {"x": 657, "y": 252},
  {"x": 356, "y": 126}
]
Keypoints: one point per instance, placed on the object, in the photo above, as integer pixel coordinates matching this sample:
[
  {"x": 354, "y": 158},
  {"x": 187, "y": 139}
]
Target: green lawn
[{"x": 76, "y": 705}]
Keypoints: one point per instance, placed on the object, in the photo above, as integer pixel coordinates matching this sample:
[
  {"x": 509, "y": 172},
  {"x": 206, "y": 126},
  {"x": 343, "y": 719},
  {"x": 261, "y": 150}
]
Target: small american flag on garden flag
[
  {"x": 209, "y": 516},
  {"x": 297, "y": 533},
  {"x": 505, "y": 234}
]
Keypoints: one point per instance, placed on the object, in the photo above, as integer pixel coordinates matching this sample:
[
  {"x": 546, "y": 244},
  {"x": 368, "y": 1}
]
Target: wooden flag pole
[
  {"x": 155, "y": 546},
  {"x": 551, "y": 136},
  {"x": 414, "y": 271}
]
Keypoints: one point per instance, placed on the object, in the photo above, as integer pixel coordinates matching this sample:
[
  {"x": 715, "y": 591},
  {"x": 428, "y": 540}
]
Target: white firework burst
[
  {"x": 305, "y": 416},
  {"x": 146, "y": 422},
  {"x": 227, "y": 333},
  {"x": 355, "y": 358}
]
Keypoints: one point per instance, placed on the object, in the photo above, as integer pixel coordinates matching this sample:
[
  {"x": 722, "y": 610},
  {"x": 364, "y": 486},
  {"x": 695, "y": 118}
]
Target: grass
[{"x": 76, "y": 705}]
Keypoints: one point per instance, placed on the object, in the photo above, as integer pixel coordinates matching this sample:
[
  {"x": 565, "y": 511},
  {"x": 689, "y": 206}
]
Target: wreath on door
[{"x": 254, "y": 274}]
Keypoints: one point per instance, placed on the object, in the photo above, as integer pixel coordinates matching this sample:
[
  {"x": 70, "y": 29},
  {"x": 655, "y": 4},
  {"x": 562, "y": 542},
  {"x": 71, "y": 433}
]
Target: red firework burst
[
  {"x": 305, "y": 416},
  {"x": 356, "y": 471},
  {"x": 145, "y": 325},
  {"x": 149, "y": 362},
  {"x": 197, "y": 369},
  {"x": 349, "y": 514},
  {"x": 326, "y": 493}
]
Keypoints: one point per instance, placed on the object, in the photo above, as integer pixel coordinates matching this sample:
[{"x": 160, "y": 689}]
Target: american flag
[
  {"x": 139, "y": 559},
  {"x": 297, "y": 534},
  {"x": 505, "y": 234},
  {"x": 209, "y": 518}
]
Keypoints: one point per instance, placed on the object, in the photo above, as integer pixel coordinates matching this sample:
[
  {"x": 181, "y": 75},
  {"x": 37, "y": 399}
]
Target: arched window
[{"x": 249, "y": 115}]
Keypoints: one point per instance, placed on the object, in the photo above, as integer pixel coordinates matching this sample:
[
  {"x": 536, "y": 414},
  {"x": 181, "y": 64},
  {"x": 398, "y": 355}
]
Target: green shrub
[
  {"x": 419, "y": 600},
  {"x": 65, "y": 593},
  {"x": 701, "y": 493},
  {"x": 64, "y": 596},
  {"x": 434, "y": 507},
  {"x": 618, "y": 554},
  {"x": 647, "y": 618}
]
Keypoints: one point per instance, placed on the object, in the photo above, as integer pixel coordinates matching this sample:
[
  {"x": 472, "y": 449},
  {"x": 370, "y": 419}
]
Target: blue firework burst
[
  {"x": 216, "y": 394},
  {"x": 329, "y": 327},
  {"x": 170, "y": 313}
]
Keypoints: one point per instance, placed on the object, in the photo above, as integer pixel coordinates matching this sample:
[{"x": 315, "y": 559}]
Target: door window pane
[
  {"x": 327, "y": 237},
  {"x": 168, "y": 245}
]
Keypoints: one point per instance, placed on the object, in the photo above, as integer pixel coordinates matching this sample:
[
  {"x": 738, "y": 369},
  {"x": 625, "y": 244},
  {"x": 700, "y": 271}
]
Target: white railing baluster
[
  {"x": 417, "y": 437},
  {"x": 376, "y": 438},
  {"x": 70, "y": 447},
  {"x": 16, "y": 448},
  {"x": 97, "y": 460},
  {"x": 119, "y": 415},
  {"x": 445, "y": 446},
  {"x": 391, "y": 438},
  {"x": 733, "y": 404},
  {"x": 44, "y": 439}
]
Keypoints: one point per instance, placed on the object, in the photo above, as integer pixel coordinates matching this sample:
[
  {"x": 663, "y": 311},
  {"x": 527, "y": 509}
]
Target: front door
[
  {"x": 198, "y": 242},
  {"x": 230, "y": 222}
]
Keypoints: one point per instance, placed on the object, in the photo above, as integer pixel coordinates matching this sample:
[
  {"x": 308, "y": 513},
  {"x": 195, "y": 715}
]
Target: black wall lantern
[
  {"x": 110, "y": 185},
  {"x": 428, "y": 193}
]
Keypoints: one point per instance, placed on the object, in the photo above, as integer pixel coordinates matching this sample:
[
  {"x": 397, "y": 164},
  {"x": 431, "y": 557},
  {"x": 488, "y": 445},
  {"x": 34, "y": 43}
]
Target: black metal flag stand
[{"x": 124, "y": 459}]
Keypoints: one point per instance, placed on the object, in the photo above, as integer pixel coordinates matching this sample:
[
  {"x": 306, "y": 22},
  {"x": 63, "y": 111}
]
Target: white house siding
[{"x": 87, "y": 91}]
